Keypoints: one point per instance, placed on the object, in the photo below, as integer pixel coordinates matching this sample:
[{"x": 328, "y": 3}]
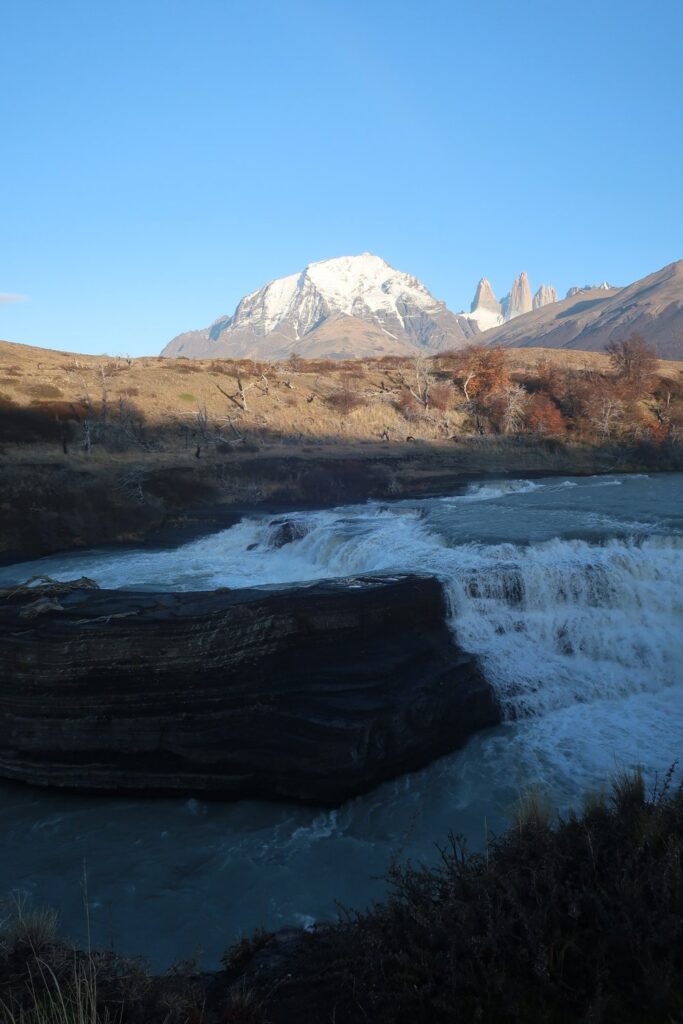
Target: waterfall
[{"x": 554, "y": 621}]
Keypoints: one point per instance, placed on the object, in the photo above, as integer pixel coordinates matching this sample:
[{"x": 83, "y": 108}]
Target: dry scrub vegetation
[
  {"x": 96, "y": 449},
  {"x": 559, "y": 921},
  {"x": 160, "y": 404}
]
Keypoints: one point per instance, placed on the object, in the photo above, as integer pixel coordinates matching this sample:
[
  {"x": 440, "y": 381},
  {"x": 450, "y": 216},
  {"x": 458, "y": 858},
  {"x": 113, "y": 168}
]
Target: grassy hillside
[{"x": 99, "y": 449}]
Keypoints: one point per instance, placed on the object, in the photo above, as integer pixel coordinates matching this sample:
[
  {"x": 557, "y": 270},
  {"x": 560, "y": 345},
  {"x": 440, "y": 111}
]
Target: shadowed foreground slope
[{"x": 577, "y": 923}]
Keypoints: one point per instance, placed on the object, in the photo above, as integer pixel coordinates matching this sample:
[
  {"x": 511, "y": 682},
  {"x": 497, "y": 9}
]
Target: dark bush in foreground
[
  {"x": 579, "y": 923},
  {"x": 35, "y": 423}
]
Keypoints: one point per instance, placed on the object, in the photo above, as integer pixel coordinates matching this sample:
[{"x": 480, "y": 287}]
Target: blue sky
[{"x": 161, "y": 158}]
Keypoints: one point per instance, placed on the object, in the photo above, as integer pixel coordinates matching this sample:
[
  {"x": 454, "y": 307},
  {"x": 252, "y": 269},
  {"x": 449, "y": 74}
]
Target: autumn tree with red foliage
[
  {"x": 544, "y": 417},
  {"x": 479, "y": 371}
]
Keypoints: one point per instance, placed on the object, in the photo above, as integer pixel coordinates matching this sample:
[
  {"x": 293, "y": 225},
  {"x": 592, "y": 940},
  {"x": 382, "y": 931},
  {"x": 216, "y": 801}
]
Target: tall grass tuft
[
  {"x": 628, "y": 790},
  {"x": 27, "y": 927},
  {"x": 534, "y": 809},
  {"x": 49, "y": 999}
]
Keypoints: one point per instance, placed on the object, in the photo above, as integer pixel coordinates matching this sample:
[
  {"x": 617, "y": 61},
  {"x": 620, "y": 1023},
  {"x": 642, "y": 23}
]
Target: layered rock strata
[{"x": 314, "y": 693}]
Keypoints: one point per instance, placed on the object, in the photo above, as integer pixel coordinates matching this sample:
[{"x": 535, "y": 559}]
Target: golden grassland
[
  {"x": 100, "y": 449},
  {"x": 292, "y": 404}
]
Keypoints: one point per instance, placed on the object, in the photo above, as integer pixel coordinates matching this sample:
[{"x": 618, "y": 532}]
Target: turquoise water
[{"x": 569, "y": 590}]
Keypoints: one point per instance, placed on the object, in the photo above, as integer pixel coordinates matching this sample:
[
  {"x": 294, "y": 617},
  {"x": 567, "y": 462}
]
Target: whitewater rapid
[
  {"x": 569, "y": 591},
  {"x": 555, "y": 621}
]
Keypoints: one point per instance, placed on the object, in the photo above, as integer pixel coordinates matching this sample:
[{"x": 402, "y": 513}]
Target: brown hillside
[
  {"x": 652, "y": 307},
  {"x": 97, "y": 450}
]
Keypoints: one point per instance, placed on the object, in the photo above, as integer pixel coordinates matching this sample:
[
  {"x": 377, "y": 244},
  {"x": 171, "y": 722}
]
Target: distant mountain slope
[
  {"x": 591, "y": 319},
  {"x": 352, "y": 306}
]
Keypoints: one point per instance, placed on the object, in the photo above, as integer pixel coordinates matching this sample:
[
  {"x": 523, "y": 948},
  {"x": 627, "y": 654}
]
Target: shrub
[
  {"x": 27, "y": 927},
  {"x": 407, "y": 405},
  {"x": 442, "y": 397},
  {"x": 23, "y": 425},
  {"x": 345, "y": 401},
  {"x": 574, "y": 924},
  {"x": 543, "y": 416},
  {"x": 534, "y": 810},
  {"x": 43, "y": 391}
]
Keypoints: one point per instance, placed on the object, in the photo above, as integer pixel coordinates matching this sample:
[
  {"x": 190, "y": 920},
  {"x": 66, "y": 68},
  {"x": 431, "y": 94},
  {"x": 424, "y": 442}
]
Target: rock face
[
  {"x": 485, "y": 298},
  {"x": 337, "y": 308},
  {"x": 313, "y": 693},
  {"x": 519, "y": 299},
  {"x": 544, "y": 296},
  {"x": 486, "y": 310},
  {"x": 593, "y": 318},
  {"x": 577, "y": 289}
]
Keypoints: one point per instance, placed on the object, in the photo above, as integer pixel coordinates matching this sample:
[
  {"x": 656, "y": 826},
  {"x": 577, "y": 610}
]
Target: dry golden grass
[
  {"x": 96, "y": 449},
  {"x": 285, "y": 404}
]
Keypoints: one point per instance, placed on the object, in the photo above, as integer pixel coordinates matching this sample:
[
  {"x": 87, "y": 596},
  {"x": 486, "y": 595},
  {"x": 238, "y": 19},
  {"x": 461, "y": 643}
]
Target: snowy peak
[
  {"x": 368, "y": 280},
  {"x": 363, "y": 286},
  {"x": 284, "y": 315}
]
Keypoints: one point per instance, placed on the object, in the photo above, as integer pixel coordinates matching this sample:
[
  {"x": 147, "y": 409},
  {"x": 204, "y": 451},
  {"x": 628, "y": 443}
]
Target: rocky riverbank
[
  {"x": 50, "y": 503},
  {"x": 312, "y": 693}
]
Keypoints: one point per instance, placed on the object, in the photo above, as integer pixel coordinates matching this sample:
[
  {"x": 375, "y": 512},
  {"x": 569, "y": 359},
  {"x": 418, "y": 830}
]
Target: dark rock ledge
[{"x": 315, "y": 692}]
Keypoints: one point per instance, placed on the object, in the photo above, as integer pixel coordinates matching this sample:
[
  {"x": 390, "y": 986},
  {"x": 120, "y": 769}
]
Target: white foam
[
  {"x": 555, "y": 623},
  {"x": 499, "y": 489}
]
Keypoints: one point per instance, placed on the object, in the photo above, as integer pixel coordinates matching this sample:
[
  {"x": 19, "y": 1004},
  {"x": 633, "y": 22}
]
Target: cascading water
[{"x": 569, "y": 591}]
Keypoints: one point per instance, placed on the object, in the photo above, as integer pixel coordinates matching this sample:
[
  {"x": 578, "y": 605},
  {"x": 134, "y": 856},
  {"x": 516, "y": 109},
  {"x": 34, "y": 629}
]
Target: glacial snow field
[{"x": 570, "y": 590}]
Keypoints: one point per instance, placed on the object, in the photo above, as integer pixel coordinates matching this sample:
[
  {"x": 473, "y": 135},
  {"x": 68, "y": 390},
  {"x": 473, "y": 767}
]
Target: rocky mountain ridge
[
  {"x": 351, "y": 306},
  {"x": 590, "y": 318},
  {"x": 361, "y": 307},
  {"x": 487, "y": 312}
]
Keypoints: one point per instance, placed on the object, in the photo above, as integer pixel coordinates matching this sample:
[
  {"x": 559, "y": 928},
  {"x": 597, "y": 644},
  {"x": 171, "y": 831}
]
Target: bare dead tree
[
  {"x": 131, "y": 426},
  {"x": 229, "y": 421},
  {"x": 87, "y": 421},
  {"x": 242, "y": 391},
  {"x": 104, "y": 408},
  {"x": 606, "y": 414},
  {"x": 239, "y": 397},
  {"x": 230, "y": 398},
  {"x": 633, "y": 360},
  {"x": 87, "y": 434},
  {"x": 466, "y": 383},
  {"x": 421, "y": 383},
  {"x": 516, "y": 398}
]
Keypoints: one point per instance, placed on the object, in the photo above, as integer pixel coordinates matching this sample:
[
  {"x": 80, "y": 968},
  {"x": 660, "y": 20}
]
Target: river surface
[{"x": 569, "y": 590}]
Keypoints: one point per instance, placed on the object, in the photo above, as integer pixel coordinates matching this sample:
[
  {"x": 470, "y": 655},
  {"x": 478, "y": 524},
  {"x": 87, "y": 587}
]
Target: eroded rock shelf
[{"x": 315, "y": 692}]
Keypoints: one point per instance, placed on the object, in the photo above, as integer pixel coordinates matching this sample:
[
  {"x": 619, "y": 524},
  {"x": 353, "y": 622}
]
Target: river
[{"x": 570, "y": 591}]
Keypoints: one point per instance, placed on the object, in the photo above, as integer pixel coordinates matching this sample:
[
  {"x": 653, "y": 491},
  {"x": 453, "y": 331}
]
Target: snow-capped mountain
[{"x": 337, "y": 308}]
